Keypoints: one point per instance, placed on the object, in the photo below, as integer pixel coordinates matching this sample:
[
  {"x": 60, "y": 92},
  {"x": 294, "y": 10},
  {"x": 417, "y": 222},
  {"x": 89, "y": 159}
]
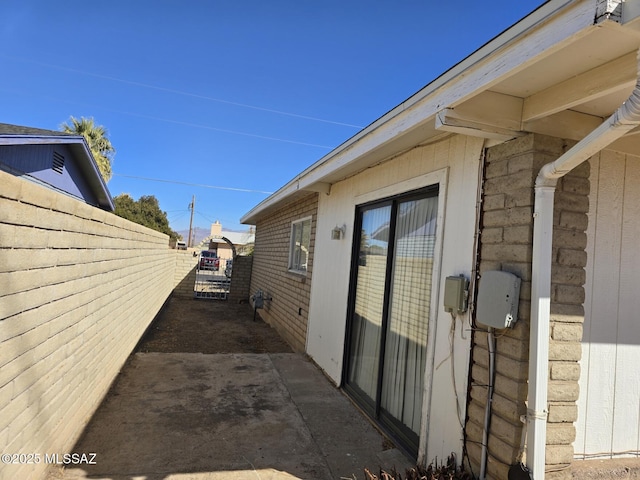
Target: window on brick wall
[{"x": 300, "y": 245}]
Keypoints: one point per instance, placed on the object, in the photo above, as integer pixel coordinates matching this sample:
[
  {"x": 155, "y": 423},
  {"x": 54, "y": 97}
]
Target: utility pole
[{"x": 192, "y": 207}]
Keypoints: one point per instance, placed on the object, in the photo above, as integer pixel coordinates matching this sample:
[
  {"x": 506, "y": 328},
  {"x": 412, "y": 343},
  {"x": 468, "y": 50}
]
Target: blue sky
[{"x": 235, "y": 94}]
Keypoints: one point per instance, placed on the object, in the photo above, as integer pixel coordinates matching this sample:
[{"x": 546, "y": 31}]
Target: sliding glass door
[{"x": 389, "y": 310}]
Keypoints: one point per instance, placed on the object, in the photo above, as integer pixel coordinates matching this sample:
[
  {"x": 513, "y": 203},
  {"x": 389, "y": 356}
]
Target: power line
[
  {"x": 179, "y": 122},
  {"x": 223, "y": 130},
  {"x": 174, "y": 218},
  {"x": 180, "y": 92},
  {"x": 191, "y": 184},
  {"x": 205, "y": 217}
]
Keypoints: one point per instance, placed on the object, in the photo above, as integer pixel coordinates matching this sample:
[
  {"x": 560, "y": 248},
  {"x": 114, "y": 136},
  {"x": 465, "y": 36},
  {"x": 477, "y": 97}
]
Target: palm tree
[{"x": 96, "y": 137}]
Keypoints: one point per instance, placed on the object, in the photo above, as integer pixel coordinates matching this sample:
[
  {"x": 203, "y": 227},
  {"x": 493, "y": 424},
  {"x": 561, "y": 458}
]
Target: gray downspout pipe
[{"x": 623, "y": 120}]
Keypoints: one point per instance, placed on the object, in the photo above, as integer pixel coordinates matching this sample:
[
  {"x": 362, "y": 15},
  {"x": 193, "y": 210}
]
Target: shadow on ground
[{"x": 211, "y": 394}]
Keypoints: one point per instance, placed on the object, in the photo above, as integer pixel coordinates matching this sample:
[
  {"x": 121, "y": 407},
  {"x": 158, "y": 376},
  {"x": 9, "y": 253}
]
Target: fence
[{"x": 78, "y": 287}]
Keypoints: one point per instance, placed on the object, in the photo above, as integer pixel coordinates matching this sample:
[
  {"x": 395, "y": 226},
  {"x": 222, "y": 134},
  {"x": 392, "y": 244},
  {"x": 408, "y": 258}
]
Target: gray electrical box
[
  {"x": 456, "y": 294},
  {"x": 498, "y": 296}
]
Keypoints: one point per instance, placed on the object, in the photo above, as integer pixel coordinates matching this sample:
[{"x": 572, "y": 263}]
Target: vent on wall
[{"x": 58, "y": 162}]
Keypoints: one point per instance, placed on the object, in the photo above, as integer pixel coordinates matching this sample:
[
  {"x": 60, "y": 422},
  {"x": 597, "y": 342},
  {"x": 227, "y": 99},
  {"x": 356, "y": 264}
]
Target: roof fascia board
[
  {"x": 455, "y": 75},
  {"x": 39, "y": 139},
  {"x": 534, "y": 19},
  {"x": 546, "y": 29},
  {"x": 95, "y": 179}
]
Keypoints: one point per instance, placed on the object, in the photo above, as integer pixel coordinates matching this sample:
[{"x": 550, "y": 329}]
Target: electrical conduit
[
  {"x": 491, "y": 345},
  {"x": 624, "y": 119}
]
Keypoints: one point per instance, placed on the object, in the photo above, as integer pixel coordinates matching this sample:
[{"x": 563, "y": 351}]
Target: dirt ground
[{"x": 188, "y": 325}]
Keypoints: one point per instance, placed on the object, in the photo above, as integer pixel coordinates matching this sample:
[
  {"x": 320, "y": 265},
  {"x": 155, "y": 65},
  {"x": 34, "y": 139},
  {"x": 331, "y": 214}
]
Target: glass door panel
[
  {"x": 407, "y": 319},
  {"x": 368, "y": 303},
  {"x": 389, "y": 311}
]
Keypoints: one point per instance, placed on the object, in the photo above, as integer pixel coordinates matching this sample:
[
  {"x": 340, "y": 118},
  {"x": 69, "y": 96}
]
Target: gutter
[{"x": 623, "y": 120}]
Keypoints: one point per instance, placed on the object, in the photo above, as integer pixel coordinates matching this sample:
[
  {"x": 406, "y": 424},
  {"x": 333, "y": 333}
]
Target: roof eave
[{"x": 346, "y": 152}]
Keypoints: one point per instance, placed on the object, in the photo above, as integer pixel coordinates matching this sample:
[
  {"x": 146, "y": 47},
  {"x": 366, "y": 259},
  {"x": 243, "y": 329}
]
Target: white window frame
[{"x": 296, "y": 249}]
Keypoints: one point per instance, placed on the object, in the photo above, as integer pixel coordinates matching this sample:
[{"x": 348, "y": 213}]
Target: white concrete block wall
[
  {"x": 78, "y": 288},
  {"x": 185, "y": 272}
]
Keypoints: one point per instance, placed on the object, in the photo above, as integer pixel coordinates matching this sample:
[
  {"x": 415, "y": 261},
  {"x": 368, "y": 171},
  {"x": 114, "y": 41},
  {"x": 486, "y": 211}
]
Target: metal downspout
[{"x": 624, "y": 119}]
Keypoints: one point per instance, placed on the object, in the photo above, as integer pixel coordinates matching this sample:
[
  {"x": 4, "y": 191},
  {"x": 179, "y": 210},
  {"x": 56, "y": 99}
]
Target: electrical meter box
[
  {"x": 456, "y": 294},
  {"x": 498, "y": 296}
]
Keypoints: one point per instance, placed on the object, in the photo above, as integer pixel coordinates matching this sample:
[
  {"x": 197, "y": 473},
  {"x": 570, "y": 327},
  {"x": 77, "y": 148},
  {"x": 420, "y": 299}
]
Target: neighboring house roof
[
  {"x": 20, "y": 131},
  {"x": 559, "y": 71},
  {"x": 237, "y": 238},
  {"x": 15, "y": 135}
]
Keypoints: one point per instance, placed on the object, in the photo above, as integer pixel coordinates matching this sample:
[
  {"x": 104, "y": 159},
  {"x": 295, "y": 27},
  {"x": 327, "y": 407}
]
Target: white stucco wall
[{"x": 453, "y": 163}]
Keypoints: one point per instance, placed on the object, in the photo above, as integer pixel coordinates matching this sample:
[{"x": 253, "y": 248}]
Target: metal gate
[{"x": 213, "y": 279}]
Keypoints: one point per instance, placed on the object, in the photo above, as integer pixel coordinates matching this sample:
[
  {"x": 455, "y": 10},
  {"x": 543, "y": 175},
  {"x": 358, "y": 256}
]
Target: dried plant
[{"x": 445, "y": 471}]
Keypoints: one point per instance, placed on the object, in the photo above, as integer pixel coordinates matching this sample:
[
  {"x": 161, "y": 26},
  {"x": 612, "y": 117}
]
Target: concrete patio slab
[{"x": 228, "y": 416}]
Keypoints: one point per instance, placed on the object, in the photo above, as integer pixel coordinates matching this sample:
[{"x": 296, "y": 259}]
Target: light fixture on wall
[{"x": 338, "y": 232}]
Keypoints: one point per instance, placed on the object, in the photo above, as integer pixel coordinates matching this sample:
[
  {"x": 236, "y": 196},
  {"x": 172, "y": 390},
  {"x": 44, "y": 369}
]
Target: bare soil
[{"x": 188, "y": 325}]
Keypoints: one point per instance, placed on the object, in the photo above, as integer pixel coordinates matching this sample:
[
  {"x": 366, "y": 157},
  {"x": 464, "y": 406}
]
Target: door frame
[{"x": 437, "y": 179}]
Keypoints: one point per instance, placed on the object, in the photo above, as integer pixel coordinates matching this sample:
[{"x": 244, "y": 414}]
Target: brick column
[
  {"x": 568, "y": 277},
  {"x": 241, "y": 279},
  {"x": 185, "y": 273},
  {"x": 506, "y": 244}
]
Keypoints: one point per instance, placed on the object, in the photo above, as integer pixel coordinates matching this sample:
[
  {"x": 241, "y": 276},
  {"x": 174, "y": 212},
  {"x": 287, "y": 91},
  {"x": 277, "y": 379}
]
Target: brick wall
[
  {"x": 506, "y": 244},
  {"x": 288, "y": 310},
  {"x": 78, "y": 287},
  {"x": 185, "y": 273},
  {"x": 241, "y": 279}
]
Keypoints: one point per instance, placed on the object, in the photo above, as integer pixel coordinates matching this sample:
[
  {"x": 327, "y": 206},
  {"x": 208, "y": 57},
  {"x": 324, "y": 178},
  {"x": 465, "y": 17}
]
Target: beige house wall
[
  {"x": 78, "y": 287},
  {"x": 506, "y": 244},
  {"x": 452, "y": 164},
  {"x": 224, "y": 251},
  {"x": 288, "y": 309}
]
